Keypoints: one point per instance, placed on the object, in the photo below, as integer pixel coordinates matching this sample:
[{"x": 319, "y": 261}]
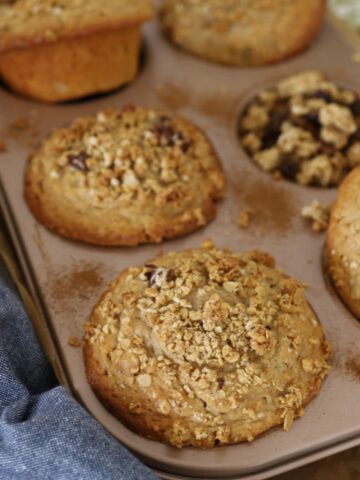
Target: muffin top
[
  {"x": 125, "y": 177},
  {"x": 306, "y": 128},
  {"x": 210, "y": 346},
  {"x": 29, "y": 22},
  {"x": 242, "y": 32}
]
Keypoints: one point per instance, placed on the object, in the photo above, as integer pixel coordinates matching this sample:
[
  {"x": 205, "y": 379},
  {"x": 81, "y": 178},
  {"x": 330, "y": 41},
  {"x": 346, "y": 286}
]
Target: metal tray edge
[{"x": 37, "y": 312}]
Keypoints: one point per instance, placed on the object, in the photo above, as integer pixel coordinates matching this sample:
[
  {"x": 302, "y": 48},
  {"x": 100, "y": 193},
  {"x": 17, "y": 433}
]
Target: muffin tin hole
[{"x": 304, "y": 129}]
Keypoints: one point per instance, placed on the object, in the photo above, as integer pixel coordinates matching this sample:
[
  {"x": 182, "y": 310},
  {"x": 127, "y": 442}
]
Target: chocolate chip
[
  {"x": 322, "y": 94},
  {"x": 289, "y": 168},
  {"x": 221, "y": 383},
  {"x": 313, "y": 117},
  {"x": 165, "y": 134},
  {"x": 164, "y": 119},
  {"x": 327, "y": 149},
  {"x": 309, "y": 122},
  {"x": 278, "y": 115},
  {"x": 170, "y": 275},
  {"x": 79, "y": 161},
  {"x": 185, "y": 145},
  {"x": 269, "y": 138},
  {"x": 354, "y": 138},
  {"x": 355, "y": 107}
]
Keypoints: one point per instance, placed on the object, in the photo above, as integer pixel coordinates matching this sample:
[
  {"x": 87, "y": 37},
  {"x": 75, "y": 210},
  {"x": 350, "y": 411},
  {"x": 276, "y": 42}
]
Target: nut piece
[
  {"x": 144, "y": 380},
  {"x": 318, "y": 214},
  {"x": 341, "y": 118},
  {"x": 268, "y": 159},
  {"x": 74, "y": 342},
  {"x": 245, "y": 217},
  {"x": 301, "y": 83}
]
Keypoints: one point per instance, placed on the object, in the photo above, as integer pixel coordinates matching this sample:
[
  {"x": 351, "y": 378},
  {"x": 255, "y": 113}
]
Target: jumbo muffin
[
  {"x": 343, "y": 242},
  {"x": 56, "y": 51},
  {"x": 125, "y": 177},
  {"x": 305, "y": 129},
  {"x": 242, "y": 32},
  {"x": 205, "y": 347}
]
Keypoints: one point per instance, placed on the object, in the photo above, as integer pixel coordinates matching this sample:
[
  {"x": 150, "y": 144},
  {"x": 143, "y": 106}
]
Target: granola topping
[
  {"x": 130, "y": 154},
  {"x": 206, "y": 327},
  {"x": 306, "y": 129}
]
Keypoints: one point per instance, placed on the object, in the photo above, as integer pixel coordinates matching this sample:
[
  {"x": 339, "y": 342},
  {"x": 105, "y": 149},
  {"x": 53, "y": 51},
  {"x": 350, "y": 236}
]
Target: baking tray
[{"x": 66, "y": 278}]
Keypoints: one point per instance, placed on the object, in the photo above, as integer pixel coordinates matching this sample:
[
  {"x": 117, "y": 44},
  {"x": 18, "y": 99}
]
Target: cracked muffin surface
[
  {"x": 205, "y": 347},
  {"x": 306, "y": 129},
  {"x": 124, "y": 178}
]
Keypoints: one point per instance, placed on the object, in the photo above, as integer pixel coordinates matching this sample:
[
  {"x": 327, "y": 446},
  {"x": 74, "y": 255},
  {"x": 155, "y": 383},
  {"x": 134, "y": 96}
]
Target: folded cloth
[{"x": 44, "y": 433}]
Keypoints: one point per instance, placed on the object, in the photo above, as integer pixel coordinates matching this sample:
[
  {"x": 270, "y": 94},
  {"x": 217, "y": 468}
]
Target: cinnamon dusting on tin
[
  {"x": 352, "y": 367},
  {"x": 219, "y": 104},
  {"x": 173, "y": 96},
  {"x": 275, "y": 207},
  {"x": 347, "y": 362},
  {"x": 80, "y": 283},
  {"x": 23, "y": 129},
  {"x": 20, "y": 123}
]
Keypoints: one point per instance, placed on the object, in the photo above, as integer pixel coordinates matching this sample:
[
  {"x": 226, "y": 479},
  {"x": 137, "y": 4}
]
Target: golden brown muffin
[
  {"x": 205, "y": 347},
  {"x": 305, "y": 129},
  {"x": 343, "y": 242},
  {"x": 242, "y": 32},
  {"x": 56, "y": 51},
  {"x": 125, "y": 177}
]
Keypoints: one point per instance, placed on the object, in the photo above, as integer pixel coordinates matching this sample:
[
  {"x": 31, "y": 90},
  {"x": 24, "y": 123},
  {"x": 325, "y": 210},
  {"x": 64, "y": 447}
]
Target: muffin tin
[{"x": 66, "y": 278}]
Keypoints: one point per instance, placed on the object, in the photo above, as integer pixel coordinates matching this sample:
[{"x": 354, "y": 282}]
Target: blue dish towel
[{"x": 44, "y": 433}]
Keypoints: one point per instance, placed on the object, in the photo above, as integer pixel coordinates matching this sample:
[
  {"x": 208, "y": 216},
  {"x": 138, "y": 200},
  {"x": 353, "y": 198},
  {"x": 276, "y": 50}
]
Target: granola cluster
[
  {"x": 218, "y": 339},
  {"x": 306, "y": 128},
  {"x": 317, "y": 214}
]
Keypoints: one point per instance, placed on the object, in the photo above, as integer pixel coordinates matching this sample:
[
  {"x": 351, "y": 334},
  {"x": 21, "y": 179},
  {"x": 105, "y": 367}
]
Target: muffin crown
[
  {"x": 29, "y": 22},
  {"x": 218, "y": 346}
]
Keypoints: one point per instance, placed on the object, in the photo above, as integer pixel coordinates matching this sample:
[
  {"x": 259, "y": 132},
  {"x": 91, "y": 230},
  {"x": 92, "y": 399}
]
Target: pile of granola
[{"x": 306, "y": 128}]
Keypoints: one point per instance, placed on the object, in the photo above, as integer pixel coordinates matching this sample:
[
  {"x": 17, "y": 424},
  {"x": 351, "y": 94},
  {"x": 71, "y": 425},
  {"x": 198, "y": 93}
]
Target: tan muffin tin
[{"x": 66, "y": 278}]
